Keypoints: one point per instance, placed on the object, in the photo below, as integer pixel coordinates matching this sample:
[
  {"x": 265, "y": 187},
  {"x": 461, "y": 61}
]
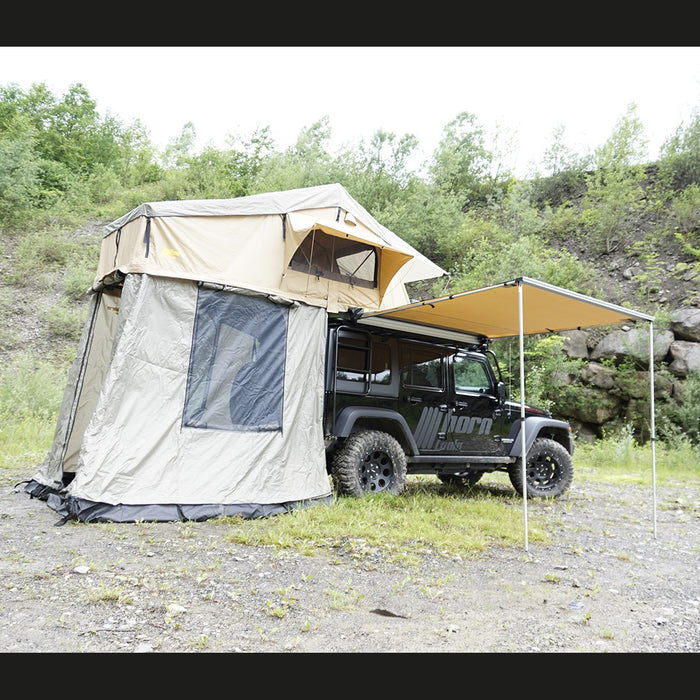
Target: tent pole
[
  {"x": 523, "y": 441},
  {"x": 653, "y": 422}
]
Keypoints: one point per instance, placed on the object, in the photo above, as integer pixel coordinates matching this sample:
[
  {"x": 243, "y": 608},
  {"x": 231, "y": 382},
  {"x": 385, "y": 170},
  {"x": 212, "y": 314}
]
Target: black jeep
[{"x": 400, "y": 403}]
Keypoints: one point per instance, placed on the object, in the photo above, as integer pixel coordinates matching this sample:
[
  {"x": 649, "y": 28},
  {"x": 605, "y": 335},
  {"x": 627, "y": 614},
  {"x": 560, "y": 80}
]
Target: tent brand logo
[
  {"x": 171, "y": 253},
  {"x": 435, "y": 422},
  {"x": 113, "y": 308}
]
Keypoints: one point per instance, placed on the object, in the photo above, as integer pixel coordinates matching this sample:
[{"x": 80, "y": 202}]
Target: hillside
[
  {"x": 34, "y": 302},
  {"x": 640, "y": 263}
]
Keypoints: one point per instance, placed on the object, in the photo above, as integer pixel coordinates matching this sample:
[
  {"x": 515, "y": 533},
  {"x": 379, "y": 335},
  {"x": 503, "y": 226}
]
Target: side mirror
[{"x": 501, "y": 392}]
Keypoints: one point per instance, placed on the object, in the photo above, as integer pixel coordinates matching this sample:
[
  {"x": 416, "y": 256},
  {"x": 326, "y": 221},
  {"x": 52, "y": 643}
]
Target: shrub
[
  {"x": 65, "y": 320},
  {"x": 680, "y": 420},
  {"x": 30, "y": 388}
]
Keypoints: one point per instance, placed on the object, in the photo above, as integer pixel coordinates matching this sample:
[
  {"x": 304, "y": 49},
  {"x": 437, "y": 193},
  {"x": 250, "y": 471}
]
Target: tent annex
[
  {"x": 519, "y": 307},
  {"x": 197, "y": 389}
]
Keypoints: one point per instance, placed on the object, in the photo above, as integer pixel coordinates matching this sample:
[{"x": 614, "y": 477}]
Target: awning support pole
[
  {"x": 653, "y": 422},
  {"x": 523, "y": 441}
]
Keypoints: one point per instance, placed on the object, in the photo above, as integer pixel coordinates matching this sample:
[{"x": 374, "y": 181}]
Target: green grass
[
  {"x": 24, "y": 445},
  {"x": 622, "y": 461},
  {"x": 428, "y": 517}
]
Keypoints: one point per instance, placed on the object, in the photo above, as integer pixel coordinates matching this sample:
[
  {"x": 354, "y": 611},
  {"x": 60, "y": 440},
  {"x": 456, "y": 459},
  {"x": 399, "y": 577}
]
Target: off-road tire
[
  {"x": 463, "y": 481},
  {"x": 369, "y": 461},
  {"x": 549, "y": 470}
]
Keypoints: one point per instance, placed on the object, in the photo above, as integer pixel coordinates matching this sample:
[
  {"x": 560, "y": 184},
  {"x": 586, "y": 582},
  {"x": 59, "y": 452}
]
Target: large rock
[
  {"x": 599, "y": 375},
  {"x": 685, "y": 323},
  {"x": 685, "y": 357},
  {"x": 575, "y": 344},
  {"x": 633, "y": 344},
  {"x": 591, "y": 405}
]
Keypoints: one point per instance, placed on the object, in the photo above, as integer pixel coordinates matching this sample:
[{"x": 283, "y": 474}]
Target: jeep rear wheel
[
  {"x": 549, "y": 470},
  {"x": 369, "y": 462}
]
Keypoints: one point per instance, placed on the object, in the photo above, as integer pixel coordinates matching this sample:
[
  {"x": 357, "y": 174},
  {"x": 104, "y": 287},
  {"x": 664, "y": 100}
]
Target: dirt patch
[{"x": 602, "y": 583}]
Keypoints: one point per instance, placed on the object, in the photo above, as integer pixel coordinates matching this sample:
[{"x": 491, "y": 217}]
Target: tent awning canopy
[
  {"x": 493, "y": 312},
  {"x": 520, "y": 307}
]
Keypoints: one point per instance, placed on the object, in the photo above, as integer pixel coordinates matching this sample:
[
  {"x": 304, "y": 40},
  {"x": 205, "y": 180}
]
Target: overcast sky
[{"x": 526, "y": 91}]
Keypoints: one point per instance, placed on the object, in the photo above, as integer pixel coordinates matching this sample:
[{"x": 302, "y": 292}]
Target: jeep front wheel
[
  {"x": 549, "y": 470},
  {"x": 370, "y": 461}
]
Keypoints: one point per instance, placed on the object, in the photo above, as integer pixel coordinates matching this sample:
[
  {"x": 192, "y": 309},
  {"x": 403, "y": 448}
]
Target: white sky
[{"x": 527, "y": 91}]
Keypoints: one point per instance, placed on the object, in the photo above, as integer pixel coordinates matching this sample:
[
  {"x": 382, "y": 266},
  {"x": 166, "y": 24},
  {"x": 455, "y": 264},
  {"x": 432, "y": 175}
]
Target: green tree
[
  {"x": 304, "y": 164},
  {"x": 20, "y": 177},
  {"x": 181, "y": 148},
  {"x": 63, "y": 154},
  {"x": 77, "y": 136},
  {"x": 137, "y": 163},
  {"x": 680, "y": 154},
  {"x": 461, "y": 162},
  {"x": 615, "y": 198},
  {"x": 564, "y": 173},
  {"x": 377, "y": 170}
]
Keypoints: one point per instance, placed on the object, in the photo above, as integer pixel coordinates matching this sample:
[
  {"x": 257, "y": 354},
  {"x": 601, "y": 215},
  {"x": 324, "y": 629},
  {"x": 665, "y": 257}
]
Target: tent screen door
[{"x": 236, "y": 370}]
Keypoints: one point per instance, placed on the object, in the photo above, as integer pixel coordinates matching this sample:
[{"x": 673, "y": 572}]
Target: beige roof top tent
[
  {"x": 197, "y": 388},
  {"x": 519, "y": 307}
]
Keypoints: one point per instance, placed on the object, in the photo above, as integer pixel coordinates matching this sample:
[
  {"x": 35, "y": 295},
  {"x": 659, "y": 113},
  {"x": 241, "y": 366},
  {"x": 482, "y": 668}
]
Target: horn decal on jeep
[{"x": 433, "y": 421}]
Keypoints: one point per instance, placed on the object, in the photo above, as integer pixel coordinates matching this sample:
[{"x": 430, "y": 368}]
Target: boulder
[
  {"x": 685, "y": 323},
  {"x": 575, "y": 344},
  {"x": 633, "y": 344},
  {"x": 591, "y": 405},
  {"x": 599, "y": 375},
  {"x": 685, "y": 357}
]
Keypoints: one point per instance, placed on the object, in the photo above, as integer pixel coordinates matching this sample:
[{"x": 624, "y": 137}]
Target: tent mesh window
[
  {"x": 339, "y": 259},
  {"x": 236, "y": 371}
]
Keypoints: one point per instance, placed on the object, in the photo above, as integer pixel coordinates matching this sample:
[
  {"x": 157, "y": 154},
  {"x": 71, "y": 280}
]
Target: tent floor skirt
[{"x": 83, "y": 510}]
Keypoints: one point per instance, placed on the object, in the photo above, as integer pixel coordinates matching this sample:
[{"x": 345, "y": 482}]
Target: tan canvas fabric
[
  {"x": 249, "y": 242},
  {"x": 83, "y": 386},
  {"x": 494, "y": 311}
]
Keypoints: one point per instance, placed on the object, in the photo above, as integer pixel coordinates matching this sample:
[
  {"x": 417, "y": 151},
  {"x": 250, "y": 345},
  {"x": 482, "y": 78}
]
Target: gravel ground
[{"x": 603, "y": 582}]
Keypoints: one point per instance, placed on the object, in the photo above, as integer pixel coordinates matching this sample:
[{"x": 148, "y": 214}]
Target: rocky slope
[{"x": 607, "y": 395}]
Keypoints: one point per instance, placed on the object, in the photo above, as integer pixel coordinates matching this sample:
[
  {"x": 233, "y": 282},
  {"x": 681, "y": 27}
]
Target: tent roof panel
[{"x": 284, "y": 202}]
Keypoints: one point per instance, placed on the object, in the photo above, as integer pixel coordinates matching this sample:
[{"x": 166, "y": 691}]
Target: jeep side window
[
  {"x": 422, "y": 367},
  {"x": 353, "y": 361},
  {"x": 470, "y": 375}
]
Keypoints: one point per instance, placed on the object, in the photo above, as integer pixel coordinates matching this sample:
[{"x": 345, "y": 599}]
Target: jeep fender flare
[
  {"x": 534, "y": 426},
  {"x": 345, "y": 422}
]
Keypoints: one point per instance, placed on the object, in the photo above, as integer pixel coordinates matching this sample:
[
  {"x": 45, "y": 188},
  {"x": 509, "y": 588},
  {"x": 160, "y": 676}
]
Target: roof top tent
[{"x": 197, "y": 388}]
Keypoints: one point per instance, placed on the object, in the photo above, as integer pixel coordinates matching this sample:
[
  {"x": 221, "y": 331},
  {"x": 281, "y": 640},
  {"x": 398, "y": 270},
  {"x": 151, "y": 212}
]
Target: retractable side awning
[
  {"x": 493, "y": 312},
  {"x": 520, "y": 307}
]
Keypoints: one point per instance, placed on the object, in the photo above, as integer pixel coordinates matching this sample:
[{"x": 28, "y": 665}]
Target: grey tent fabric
[{"x": 139, "y": 460}]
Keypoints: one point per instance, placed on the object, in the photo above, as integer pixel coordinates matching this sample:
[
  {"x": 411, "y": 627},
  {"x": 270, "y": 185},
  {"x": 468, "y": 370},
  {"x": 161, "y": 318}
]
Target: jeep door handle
[{"x": 415, "y": 399}]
